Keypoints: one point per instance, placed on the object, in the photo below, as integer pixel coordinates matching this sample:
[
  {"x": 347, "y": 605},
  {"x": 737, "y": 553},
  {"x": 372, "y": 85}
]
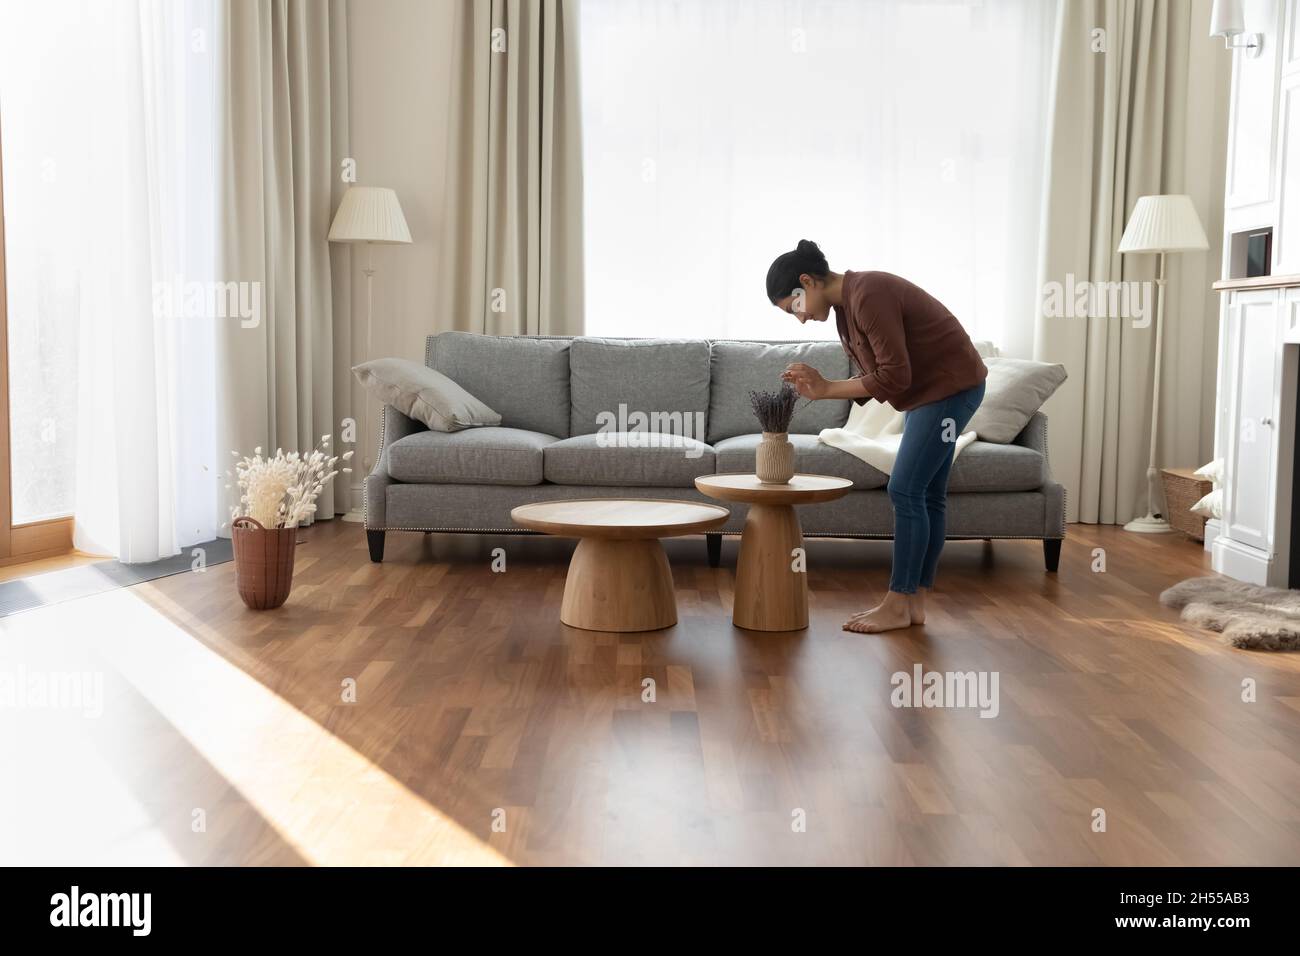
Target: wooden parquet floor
[{"x": 432, "y": 710}]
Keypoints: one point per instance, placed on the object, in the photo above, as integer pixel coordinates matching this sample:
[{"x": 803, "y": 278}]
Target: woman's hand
[{"x": 807, "y": 381}]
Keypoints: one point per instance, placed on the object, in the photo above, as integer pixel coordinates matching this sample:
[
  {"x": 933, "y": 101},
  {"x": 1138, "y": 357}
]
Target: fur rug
[{"x": 1248, "y": 616}]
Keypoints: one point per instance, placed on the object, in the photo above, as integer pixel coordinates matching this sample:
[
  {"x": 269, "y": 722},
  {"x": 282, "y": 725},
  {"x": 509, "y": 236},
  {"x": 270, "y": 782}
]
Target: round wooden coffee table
[
  {"x": 619, "y": 578},
  {"x": 770, "y": 594}
]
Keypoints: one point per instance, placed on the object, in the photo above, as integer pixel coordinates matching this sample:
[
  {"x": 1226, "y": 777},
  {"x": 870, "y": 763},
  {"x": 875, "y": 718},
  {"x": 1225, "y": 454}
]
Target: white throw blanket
[{"x": 873, "y": 433}]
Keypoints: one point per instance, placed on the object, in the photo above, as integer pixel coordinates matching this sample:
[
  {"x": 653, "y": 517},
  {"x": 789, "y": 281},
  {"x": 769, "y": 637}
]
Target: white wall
[{"x": 399, "y": 59}]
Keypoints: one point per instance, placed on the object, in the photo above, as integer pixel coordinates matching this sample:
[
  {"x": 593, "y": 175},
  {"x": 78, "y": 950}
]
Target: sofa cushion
[
  {"x": 476, "y": 456},
  {"x": 811, "y": 457},
  {"x": 741, "y": 367},
  {"x": 987, "y": 466},
  {"x": 644, "y": 459},
  {"x": 424, "y": 394},
  {"x": 1014, "y": 390},
  {"x": 612, "y": 381},
  {"x": 523, "y": 378}
]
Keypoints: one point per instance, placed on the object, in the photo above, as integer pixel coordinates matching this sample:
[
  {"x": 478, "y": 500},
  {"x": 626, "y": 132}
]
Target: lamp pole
[
  {"x": 1160, "y": 224},
  {"x": 366, "y": 464},
  {"x": 1151, "y": 523},
  {"x": 368, "y": 214}
]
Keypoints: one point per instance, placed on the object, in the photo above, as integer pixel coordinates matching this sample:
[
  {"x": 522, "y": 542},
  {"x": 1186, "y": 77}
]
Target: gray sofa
[{"x": 596, "y": 417}]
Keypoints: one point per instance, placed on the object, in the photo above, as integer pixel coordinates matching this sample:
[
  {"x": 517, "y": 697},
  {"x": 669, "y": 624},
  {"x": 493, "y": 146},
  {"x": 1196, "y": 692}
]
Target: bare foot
[
  {"x": 871, "y": 610},
  {"x": 891, "y": 614},
  {"x": 916, "y": 607}
]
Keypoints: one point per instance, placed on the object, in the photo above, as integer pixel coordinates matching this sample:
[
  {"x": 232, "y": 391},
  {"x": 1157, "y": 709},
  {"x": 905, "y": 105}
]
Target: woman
[{"x": 914, "y": 355}]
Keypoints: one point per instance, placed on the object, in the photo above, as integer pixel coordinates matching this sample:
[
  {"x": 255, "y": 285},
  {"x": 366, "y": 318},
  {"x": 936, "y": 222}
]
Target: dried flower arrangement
[
  {"x": 775, "y": 409},
  {"x": 281, "y": 491}
]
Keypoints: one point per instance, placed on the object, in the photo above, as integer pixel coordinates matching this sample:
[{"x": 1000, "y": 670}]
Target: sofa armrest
[
  {"x": 393, "y": 426},
  {"x": 1034, "y": 435}
]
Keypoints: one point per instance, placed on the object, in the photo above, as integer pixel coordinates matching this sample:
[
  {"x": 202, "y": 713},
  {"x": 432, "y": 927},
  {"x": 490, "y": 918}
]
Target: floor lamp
[
  {"x": 1160, "y": 224},
  {"x": 370, "y": 215}
]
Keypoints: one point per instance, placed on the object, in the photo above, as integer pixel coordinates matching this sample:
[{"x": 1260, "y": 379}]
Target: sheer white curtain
[
  {"x": 107, "y": 138},
  {"x": 903, "y": 136}
]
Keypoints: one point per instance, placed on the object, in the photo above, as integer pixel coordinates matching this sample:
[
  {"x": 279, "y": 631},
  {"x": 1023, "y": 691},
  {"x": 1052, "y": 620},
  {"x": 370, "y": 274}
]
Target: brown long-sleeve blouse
[{"x": 909, "y": 348}]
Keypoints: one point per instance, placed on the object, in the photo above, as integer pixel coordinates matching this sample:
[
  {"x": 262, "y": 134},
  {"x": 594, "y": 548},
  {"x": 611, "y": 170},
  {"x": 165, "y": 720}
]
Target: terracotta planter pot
[
  {"x": 263, "y": 562},
  {"x": 774, "y": 459}
]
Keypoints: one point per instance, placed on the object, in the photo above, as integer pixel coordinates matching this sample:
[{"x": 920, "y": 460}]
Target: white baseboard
[
  {"x": 1243, "y": 563},
  {"x": 1212, "y": 527}
]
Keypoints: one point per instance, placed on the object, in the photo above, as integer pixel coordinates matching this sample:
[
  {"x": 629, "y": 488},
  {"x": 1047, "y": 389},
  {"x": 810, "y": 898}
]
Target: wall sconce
[{"x": 1228, "y": 20}]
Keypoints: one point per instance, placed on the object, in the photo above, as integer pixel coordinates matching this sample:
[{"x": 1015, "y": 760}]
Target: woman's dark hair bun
[
  {"x": 809, "y": 248},
  {"x": 783, "y": 276}
]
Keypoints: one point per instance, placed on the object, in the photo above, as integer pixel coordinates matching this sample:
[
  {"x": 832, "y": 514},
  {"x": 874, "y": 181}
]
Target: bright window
[
  {"x": 46, "y": 161},
  {"x": 107, "y": 120},
  {"x": 903, "y": 136}
]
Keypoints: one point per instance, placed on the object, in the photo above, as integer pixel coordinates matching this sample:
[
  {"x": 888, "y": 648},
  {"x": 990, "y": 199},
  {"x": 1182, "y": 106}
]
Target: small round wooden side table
[
  {"x": 619, "y": 578},
  {"x": 770, "y": 594}
]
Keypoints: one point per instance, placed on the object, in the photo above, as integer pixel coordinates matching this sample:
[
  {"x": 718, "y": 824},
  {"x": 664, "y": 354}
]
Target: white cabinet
[
  {"x": 1251, "y": 422},
  {"x": 1291, "y": 39},
  {"x": 1259, "y": 333},
  {"x": 1286, "y": 235},
  {"x": 1257, "y": 427},
  {"x": 1253, "y": 122}
]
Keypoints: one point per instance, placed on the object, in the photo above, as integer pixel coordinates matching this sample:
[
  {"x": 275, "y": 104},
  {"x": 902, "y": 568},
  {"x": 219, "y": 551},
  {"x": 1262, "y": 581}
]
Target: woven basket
[
  {"x": 1182, "y": 490},
  {"x": 263, "y": 562}
]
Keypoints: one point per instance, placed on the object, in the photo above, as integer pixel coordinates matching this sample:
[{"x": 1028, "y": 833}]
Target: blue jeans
[{"x": 918, "y": 486}]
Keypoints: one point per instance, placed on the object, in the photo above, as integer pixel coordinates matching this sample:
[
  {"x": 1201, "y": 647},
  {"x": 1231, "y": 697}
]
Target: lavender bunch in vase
[{"x": 774, "y": 459}]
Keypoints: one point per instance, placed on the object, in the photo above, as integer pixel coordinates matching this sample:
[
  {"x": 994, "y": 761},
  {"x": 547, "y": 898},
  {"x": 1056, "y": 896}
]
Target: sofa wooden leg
[
  {"x": 714, "y": 541},
  {"x": 1052, "y": 553},
  {"x": 376, "y": 541}
]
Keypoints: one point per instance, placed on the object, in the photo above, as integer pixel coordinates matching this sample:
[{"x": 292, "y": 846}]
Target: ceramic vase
[{"x": 774, "y": 460}]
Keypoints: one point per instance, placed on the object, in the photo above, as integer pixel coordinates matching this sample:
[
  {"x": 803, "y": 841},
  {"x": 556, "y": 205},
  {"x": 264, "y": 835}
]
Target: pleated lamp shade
[
  {"x": 369, "y": 214},
  {"x": 1163, "y": 224}
]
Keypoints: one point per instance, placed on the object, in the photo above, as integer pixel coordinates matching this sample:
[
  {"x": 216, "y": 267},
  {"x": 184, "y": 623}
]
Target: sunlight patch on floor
[{"x": 330, "y": 803}]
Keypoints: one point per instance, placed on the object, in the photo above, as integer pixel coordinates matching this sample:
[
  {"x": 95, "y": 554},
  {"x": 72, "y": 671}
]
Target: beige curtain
[
  {"x": 511, "y": 258},
  {"x": 283, "y": 383},
  {"x": 1145, "y": 114}
]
